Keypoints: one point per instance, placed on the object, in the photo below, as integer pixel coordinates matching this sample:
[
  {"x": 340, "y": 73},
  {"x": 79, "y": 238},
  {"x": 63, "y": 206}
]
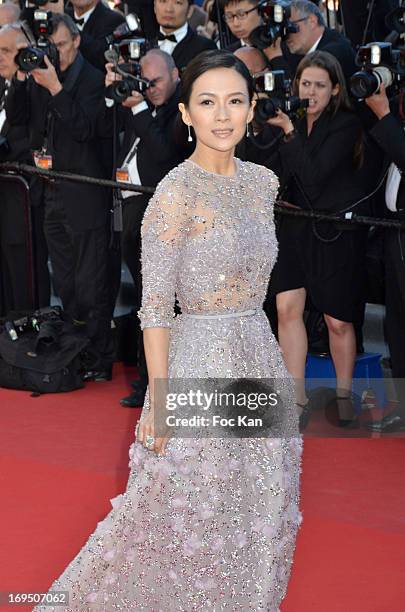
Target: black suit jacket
[
  {"x": 100, "y": 24},
  {"x": 68, "y": 121},
  {"x": 189, "y": 47},
  {"x": 390, "y": 137},
  {"x": 162, "y": 144},
  {"x": 12, "y": 198},
  {"x": 321, "y": 165},
  {"x": 340, "y": 47}
]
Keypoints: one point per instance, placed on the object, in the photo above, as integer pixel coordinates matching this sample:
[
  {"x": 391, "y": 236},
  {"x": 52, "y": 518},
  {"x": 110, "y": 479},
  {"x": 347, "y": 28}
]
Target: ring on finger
[{"x": 149, "y": 441}]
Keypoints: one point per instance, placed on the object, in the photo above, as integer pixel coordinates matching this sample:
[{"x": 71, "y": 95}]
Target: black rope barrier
[
  {"x": 348, "y": 219},
  {"x": 76, "y": 178}
]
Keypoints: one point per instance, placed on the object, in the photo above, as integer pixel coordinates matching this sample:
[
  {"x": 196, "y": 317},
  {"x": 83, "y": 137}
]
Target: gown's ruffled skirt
[{"x": 211, "y": 525}]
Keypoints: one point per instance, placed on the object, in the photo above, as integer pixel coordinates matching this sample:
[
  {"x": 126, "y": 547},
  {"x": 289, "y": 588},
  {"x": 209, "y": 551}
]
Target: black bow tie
[
  {"x": 171, "y": 37},
  {"x": 79, "y": 21}
]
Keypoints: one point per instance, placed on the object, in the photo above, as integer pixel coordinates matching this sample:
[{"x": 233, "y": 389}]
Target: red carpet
[{"x": 62, "y": 457}]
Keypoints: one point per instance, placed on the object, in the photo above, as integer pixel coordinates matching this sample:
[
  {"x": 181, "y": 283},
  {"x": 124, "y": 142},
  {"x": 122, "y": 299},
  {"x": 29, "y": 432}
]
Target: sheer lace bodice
[{"x": 209, "y": 239}]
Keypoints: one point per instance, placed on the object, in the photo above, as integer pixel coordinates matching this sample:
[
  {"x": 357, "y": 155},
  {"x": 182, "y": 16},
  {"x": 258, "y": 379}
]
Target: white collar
[
  {"x": 178, "y": 34},
  {"x": 315, "y": 45},
  {"x": 85, "y": 15}
]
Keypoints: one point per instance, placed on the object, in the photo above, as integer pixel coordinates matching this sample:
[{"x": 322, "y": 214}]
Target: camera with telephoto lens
[
  {"x": 276, "y": 16},
  {"x": 381, "y": 65},
  {"x": 33, "y": 57},
  {"x": 278, "y": 96}
]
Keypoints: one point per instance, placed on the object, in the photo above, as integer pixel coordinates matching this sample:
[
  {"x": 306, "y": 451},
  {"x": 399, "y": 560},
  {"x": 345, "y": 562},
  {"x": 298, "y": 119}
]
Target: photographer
[
  {"x": 57, "y": 105},
  {"x": 312, "y": 34},
  {"x": 14, "y": 226},
  {"x": 151, "y": 147},
  {"x": 388, "y": 133},
  {"x": 95, "y": 21},
  {"x": 175, "y": 36},
  {"x": 241, "y": 17},
  {"x": 319, "y": 161}
]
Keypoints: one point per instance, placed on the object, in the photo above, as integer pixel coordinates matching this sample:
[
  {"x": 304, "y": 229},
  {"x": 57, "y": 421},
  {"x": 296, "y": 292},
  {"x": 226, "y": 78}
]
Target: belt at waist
[{"x": 225, "y": 315}]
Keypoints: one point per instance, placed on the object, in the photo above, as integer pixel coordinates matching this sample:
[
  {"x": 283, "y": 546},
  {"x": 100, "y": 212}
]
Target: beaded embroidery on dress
[{"x": 212, "y": 524}]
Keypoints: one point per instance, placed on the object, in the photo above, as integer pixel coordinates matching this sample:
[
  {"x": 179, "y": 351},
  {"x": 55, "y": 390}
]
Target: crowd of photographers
[{"x": 94, "y": 91}]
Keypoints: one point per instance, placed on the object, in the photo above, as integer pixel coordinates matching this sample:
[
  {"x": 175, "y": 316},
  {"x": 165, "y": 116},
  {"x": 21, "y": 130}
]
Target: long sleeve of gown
[{"x": 163, "y": 232}]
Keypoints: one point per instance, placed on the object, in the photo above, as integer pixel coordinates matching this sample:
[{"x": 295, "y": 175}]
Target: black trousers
[
  {"x": 80, "y": 268},
  {"x": 394, "y": 256},
  {"x": 24, "y": 276},
  {"x": 133, "y": 210}
]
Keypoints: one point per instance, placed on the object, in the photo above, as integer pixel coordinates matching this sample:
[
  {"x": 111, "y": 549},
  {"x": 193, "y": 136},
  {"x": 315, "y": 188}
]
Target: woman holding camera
[{"x": 320, "y": 161}]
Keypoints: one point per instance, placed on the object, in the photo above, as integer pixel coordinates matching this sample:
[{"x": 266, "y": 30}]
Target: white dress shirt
[
  {"x": 315, "y": 45},
  {"x": 130, "y": 161},
  {"x": 391, "y": 188},
  {"x": 169, "y": 45},
  {"x": 2, "y": 110}
]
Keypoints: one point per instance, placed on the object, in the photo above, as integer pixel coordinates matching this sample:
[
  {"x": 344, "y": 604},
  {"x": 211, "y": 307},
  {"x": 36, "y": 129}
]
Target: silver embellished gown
[{"x": 212, "y": 524}]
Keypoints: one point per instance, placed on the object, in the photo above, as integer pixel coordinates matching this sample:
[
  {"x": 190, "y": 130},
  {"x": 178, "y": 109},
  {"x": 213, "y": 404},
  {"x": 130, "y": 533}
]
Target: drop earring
[
  {"x": 247, "y": 130},
  {"x": 190, "y": 138}
]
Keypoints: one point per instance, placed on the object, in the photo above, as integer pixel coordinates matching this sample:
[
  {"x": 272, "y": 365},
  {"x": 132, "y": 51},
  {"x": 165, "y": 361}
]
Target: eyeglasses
[
  {"x": 239, "y": 15},
  {"x": 298, "y": 20}
]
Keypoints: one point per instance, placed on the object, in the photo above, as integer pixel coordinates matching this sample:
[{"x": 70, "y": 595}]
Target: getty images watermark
[{"x": 222, "y": 407}]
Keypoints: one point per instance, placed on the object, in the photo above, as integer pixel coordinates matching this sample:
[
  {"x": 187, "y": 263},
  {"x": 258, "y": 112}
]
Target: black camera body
[
  {"x": 276, "y": 15},
  {"x": 381, "y": 64},
  {"x": 278, "y": 96},
  {"x": 33, "y": 57},
  {"x": 121, "y": 90}
]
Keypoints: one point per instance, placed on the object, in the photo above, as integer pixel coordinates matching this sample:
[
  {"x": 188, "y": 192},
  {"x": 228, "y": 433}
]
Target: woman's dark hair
[
  {"x": 326, "y": 61},
  {"x": 210, "y": 60},
  {"x": 340, "y": 101}
]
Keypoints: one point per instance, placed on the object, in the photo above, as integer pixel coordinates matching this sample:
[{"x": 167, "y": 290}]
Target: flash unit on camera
[
  {"x": 278, "y": 13},
  {"x": 134, "y": 50},
  {"x": 269, "y": 81},
  {"x": 375, "y": 55},
  {"x": 40, "y": 15}
]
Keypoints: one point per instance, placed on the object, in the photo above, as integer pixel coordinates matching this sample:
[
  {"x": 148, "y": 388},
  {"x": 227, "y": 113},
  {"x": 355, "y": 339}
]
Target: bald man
[
  {"x": 9, "y": 13},
  {"x": 253, "y": 59}
]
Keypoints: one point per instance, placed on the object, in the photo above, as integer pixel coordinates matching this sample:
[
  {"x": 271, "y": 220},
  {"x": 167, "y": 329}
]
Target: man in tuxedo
[
  {"x": 58, "y": 109},
  {"x": 312, "y": 35},
  {"x": 152, "y": 145},
  {"x": 95, "y": 21},
  {"x": 241, "y": 17},
  {"x": 389, "y": 134},
  {"x": 175, "y": 36},
  {"x": 24, "y": 283}
]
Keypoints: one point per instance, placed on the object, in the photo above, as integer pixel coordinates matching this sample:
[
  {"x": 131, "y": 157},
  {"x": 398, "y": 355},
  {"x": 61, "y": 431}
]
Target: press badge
[
  {"x": 42, "y": 160},
  {"x": 122, "y": 175}
]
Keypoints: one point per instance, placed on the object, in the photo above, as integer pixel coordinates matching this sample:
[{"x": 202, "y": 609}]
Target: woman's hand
[
  {"x": 145, "y": 434},
  {"x": 282, "y": 121}
]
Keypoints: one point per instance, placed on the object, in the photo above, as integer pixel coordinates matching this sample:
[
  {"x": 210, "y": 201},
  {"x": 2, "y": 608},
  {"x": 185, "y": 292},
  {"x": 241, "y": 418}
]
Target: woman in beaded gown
[{"x": 209, "y": 523}]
